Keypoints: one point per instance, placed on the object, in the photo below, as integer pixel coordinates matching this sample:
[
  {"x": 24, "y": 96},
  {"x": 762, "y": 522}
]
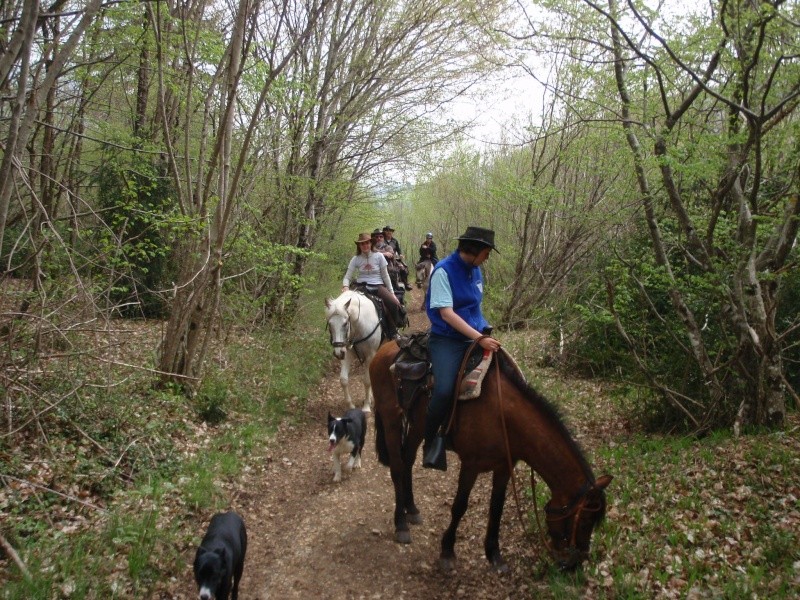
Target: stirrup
[{"x": 436, "y": 457}]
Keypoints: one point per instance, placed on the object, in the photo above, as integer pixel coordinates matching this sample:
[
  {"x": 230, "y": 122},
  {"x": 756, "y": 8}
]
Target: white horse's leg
[
  {"x": 367, "y": 387},
  {"x": 344, "y": 378},
  {"x": 368, "y": 393}
]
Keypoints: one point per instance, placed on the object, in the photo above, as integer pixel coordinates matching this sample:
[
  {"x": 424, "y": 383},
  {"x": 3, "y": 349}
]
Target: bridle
[
  {"x": 573, "y": 509},
  {"x": 349, "y": 343},
  {"x": 345, "y": 343}
]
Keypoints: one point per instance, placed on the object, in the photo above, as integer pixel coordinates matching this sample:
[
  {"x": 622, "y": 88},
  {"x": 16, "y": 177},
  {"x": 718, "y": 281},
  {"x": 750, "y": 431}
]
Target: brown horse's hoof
[
  {"x": 447, "y": 565},
  {"x": 402, "y": 537},
  {"x": 414, "y": 519},
  {"x": 500, "y": 566}
]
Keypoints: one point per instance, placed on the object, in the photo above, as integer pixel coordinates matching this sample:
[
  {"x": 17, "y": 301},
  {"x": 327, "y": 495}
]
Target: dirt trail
[{"x": 312, "y": 538}]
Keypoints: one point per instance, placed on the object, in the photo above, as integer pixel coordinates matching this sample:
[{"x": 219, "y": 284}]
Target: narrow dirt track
[{"x": 312, "y": 538}]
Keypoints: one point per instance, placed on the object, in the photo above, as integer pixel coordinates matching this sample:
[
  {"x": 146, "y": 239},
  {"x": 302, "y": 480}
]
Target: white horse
[
  {"x": 424, "y": 271},
  {"x": 355, "y": 330}
]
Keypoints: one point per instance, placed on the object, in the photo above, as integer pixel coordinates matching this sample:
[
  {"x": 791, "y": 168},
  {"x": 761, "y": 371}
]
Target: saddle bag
[{"x": 411, "y": 369}]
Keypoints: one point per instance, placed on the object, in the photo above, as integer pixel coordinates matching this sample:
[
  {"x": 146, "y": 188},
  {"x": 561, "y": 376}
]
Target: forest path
[{"x": 312, "y": 538}]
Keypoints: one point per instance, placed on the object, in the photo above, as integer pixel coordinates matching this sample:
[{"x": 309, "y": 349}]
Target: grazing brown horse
[{"x": 509, "y": 418}]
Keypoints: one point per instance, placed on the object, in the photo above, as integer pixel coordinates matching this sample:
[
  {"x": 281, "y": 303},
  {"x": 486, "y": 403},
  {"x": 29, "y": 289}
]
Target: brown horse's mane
[{"x": 547, "y": 409}]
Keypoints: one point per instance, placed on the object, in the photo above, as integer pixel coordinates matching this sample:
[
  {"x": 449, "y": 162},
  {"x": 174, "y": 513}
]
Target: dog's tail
[{"x": 380, "y": 442}]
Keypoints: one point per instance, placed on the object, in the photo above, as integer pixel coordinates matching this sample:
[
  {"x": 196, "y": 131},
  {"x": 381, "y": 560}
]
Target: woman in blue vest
[{"x": 453, "y": 304}]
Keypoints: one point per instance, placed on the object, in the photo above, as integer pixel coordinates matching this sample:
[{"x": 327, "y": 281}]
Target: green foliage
[
  {"x": 139, "y": 226},
  {"x": 640, "y": 299},
  {"x": 788, "y": 311},
  {"x": 269, "y": 284}
]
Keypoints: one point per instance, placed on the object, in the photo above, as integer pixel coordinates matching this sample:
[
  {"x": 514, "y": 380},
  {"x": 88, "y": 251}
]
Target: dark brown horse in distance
[{"x": 509, "y": 419}]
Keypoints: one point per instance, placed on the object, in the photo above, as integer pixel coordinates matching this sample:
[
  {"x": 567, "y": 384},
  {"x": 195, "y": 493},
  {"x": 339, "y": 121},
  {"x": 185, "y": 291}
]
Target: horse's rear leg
[
  {"x": 491, "y": 544},
  {"x": 466, "y": 480},
  {"x": 413, "y": 442},
  {"x": 399, "y": 469}
]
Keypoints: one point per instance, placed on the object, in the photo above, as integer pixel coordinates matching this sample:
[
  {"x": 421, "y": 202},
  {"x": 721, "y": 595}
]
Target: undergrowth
[
  {"x": 688, "y": 517},
  {"x": 103, "y": 493},
  {"x": 104, "y": 497}
]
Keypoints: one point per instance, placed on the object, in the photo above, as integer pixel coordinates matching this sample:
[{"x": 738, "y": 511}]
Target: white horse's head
[{"x": 337, "y": 314}]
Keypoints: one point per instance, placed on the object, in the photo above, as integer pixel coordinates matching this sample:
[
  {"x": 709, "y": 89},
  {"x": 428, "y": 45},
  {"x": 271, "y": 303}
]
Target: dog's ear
[
  {"x": 221, "y": 552},
  {"x": 346, "y": 420},
  {"x": 330, "y": 417}
]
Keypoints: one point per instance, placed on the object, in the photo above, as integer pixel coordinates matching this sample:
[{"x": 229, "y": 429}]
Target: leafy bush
[
  {"x": 654, "y": 351},
  {"x": 210, "y": 401},
  {"x": 788, "y": 311},
  {"x": 268, "y": 287},
  {"x": 140, "y": 223}
]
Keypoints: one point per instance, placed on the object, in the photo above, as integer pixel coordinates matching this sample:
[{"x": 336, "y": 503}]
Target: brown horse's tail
[{"x": 380, "y": 442}]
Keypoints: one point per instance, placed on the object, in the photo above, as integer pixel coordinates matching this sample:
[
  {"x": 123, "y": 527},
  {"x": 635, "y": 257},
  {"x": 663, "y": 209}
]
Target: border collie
[
  {"x": 346, "y": 435},
  {"x": 220, "y": 558}
]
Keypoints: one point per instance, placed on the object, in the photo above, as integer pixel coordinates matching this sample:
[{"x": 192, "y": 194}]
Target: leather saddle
[
  {"x": 412, "y": 368},
  {"x": 379, "y": 307}
]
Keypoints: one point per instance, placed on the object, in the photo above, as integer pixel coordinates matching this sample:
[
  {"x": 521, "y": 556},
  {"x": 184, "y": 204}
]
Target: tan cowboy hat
[{"x": 363, "y": 237}]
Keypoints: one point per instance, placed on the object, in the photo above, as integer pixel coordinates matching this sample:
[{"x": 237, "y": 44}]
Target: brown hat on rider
[{"x": 363, "y": 237}]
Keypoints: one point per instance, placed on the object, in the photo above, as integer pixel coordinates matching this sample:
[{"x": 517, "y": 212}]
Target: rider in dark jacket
[
  {"x": 402, "y": 268},
  {"x": 427, "y": 251}
]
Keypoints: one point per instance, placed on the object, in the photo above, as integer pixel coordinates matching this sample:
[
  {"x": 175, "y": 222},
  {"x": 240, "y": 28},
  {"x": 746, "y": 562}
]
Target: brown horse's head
[{"x": 570, "y": 526}]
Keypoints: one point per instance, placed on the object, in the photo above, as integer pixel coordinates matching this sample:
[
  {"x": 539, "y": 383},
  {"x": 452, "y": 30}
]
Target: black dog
[
  {"x": 346, "y": 434},
  {"x": 220, "y": 557}
]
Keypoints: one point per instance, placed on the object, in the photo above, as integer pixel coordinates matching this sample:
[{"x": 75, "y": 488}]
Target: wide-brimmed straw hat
[
  {"x": 363, "y": 237},
  {"x": 481, "y": 235}
]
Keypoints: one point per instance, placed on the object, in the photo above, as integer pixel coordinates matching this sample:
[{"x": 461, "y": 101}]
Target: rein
[
  {"x": 573, "y": 509},
  {"x": 354, "y": 343},
  {"x": 511, "y": 464},
  {"x": 505, "y": 435}
]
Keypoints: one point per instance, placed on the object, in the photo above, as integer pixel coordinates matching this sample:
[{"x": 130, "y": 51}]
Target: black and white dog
[
  {"x": 220, "y": 558},
  {"x": 346, "y": 435}
]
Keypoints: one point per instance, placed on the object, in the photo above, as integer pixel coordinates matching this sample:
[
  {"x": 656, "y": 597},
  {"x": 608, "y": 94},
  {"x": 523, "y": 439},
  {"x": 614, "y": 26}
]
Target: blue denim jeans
[{"x": 446, "y": 356}]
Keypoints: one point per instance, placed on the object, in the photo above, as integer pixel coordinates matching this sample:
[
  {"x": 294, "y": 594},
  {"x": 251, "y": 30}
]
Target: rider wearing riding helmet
[
  {"x": 427, "y": 251},
  {"x": 373, "y": 273},
  {"x": 453, "y": 303}
]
